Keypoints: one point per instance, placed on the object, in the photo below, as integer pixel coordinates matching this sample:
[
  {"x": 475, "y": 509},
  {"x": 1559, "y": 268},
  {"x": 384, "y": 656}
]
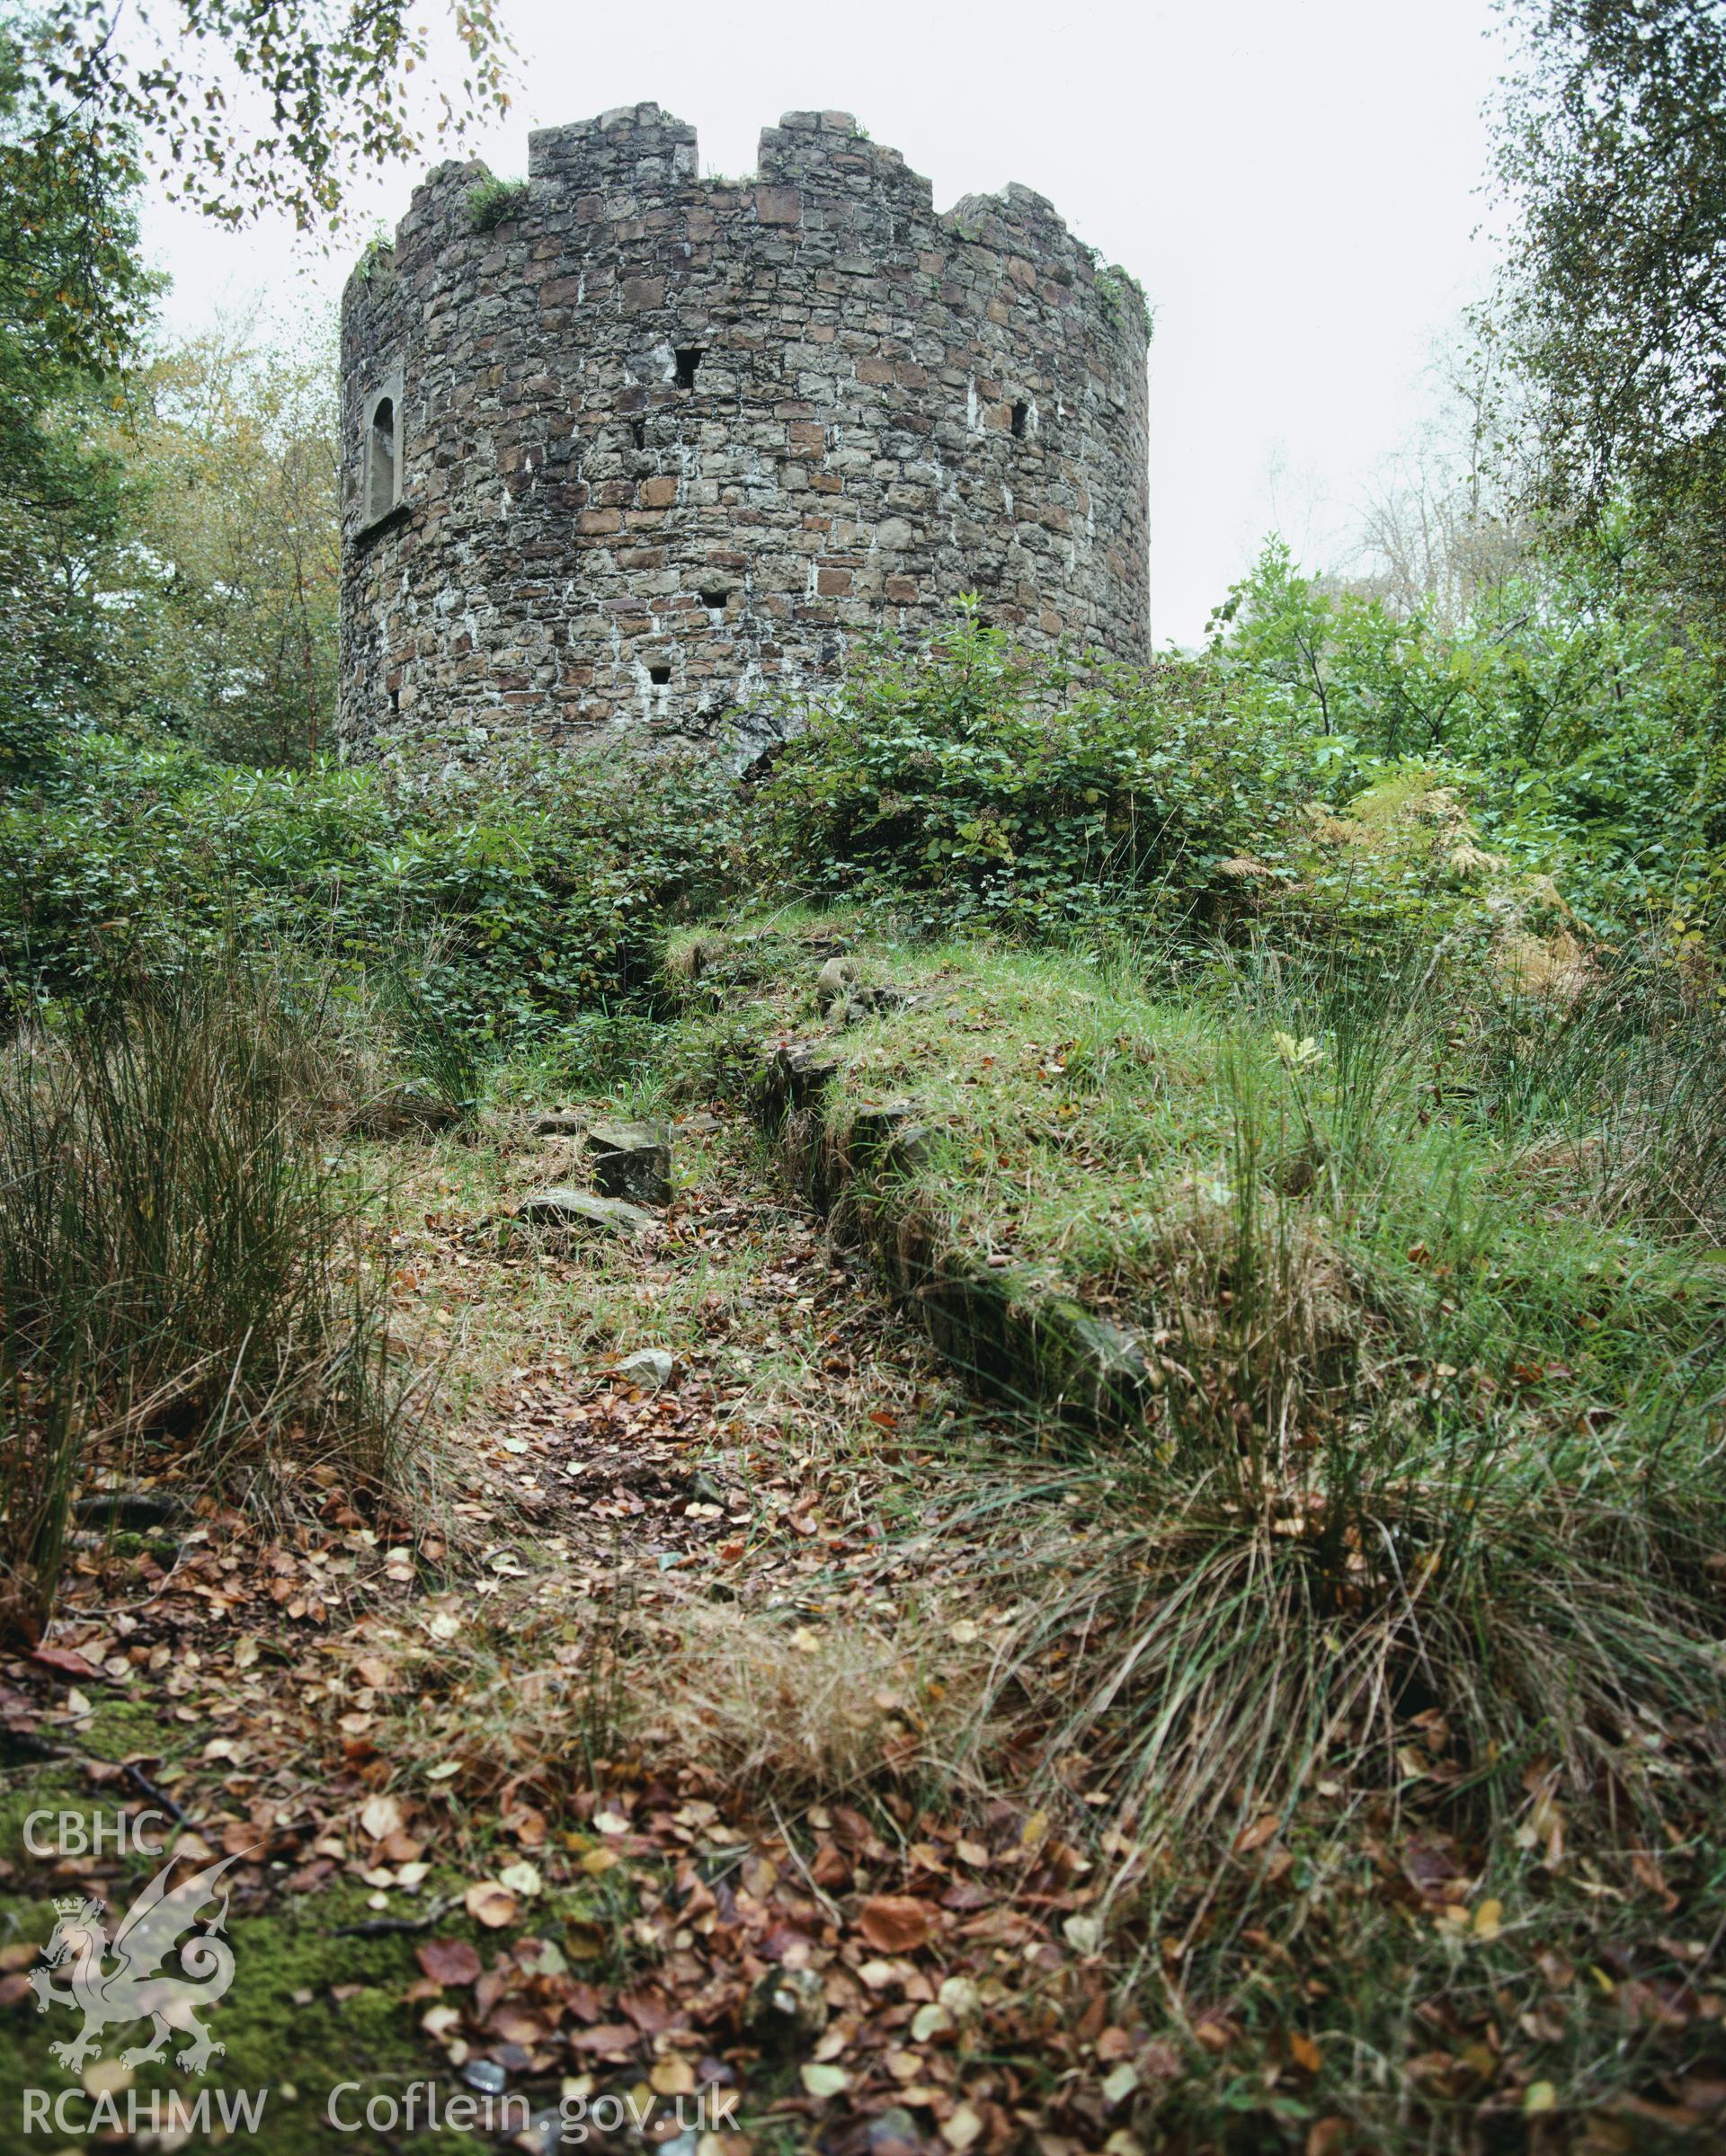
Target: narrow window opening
[
  {"x": 638, "y": 427},
  {"x": 1021, "y": 412},
  {"x": 688, "y": 360},
  {"x": 659, "y": 675},
  {"x": 381, "y": 460},
  {"x": 715, "y": 598}
]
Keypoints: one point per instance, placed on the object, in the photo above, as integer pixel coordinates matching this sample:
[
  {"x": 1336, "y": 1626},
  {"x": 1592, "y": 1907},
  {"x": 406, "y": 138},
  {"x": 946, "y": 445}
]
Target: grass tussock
[
  {"x": 784, "y": 1712},
  {"x": 1423, "y": 1269},
  {"x": 1382, "y": 1666},
  {"x": 799, "y": 1713},
  {"x": 180, "y": 1260}
]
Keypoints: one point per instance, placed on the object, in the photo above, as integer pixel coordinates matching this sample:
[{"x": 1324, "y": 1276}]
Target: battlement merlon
[
  {"x": 438, "y": 209},
  {"x": 828, "y": 154},
  {"x": 819, "y": 167},
  {"x": 633, "y": 149},
  {"x": 370, "y": 283}
]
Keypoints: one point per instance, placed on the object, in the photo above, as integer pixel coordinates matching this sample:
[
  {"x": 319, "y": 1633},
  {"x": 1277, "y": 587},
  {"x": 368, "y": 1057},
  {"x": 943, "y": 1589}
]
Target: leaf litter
[{"x": 870, "y": 1944}]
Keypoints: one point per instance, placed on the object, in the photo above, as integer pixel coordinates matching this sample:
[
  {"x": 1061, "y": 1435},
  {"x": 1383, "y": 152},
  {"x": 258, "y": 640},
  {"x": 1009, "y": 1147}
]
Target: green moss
[
  {"x": 306, "y": 2012},
  {"x": 48, "y": 1786},
  {"x": 1260, "y": 1162},
  {"x": 122, "y": 1728},
  {"x": 308, "y": 2008}
]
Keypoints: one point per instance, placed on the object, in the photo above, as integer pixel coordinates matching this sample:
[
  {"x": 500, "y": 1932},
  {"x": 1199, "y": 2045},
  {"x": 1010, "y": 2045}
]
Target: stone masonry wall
[{"x": 594, "y": 534}]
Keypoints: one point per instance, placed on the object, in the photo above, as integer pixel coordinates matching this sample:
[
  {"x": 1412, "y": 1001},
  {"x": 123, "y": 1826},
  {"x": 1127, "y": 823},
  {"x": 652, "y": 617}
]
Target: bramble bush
[
  {"x": 977, "y": 786},
  {"x": 493, "y": 913},
  {"x": 974, "y": 786},
  {"x": 1324, "y": 766}
]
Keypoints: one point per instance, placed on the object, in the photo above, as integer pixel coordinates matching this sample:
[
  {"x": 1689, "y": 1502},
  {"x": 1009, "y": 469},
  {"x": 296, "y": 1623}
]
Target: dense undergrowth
[
  {"x": 1326, "y": 763},
  {"x": 487, "y": 912},
  {"x": 182, "y": 1269},
  {"x": 214, "y": 972},
  {"x": 1186, "y": 828},
  {"x": 1372, "y": 1100},
  {"x": 1426, "y": 1272}
]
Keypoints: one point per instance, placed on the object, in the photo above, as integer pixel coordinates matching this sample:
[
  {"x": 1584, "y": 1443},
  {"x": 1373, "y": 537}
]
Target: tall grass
[
  {"x": 180, "y": 1261},
  {"x": 1621, "y": 1081},
  {"x": 1442, "y": 1339}
]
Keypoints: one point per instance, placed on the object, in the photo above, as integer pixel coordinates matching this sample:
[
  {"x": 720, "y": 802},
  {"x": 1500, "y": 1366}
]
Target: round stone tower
[{"x": 627, "y": 453}]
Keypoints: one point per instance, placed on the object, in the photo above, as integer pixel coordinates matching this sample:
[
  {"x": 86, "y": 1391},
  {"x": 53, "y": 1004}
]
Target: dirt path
[{"x": 610, "y": 1772}]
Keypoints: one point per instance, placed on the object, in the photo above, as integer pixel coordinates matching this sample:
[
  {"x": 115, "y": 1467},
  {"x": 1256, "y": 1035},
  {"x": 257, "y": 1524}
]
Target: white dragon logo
[{"x": 136, "y": 1990}]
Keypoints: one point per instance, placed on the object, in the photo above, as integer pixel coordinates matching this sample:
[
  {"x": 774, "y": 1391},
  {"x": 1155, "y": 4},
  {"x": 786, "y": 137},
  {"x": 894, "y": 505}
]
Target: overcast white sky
[{"x": 1295, "y": 183}]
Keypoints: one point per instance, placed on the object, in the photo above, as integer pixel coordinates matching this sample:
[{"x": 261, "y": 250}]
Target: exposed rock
[
  {"x": 581, "y": 1212},
  {"x": 650, "y": 1367},
  {"x": 788, "y": 2009},
  {"x": 631, "y": 1160},
  {"x": 562, "y": 1122},
  {"x": 1012, "y": 1335},
  {"x": 870, "y": 1003},
  {"x": 909, "y": 1150},
  {"x": 794, "y": 1076},
  {"x": 890, "y": 1139},
  {"x": 893, "y": 2132},
  {"x": 834, "y": 983}
]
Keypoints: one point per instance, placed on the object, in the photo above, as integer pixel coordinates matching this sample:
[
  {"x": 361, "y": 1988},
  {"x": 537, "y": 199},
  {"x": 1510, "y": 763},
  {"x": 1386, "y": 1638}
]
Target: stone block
[
  {"x": 580, "y": 1212},
  {"x": 631, "y": 1160},
  {"x": 778, "y": 206}
]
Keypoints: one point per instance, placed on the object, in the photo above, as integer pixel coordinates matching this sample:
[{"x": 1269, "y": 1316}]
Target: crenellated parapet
[{"x": 630, "y": 453}]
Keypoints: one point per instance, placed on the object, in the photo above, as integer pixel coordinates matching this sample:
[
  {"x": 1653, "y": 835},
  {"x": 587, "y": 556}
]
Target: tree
[
  {"x": 1441, "y": 533},
  {"x": 228, "y": 598},
  {"x": 251, "y": 105},
  {"x": 243, "y": 105},
  {"x": 1612, "y": 150},
  {"x": 72, "y": 299}
]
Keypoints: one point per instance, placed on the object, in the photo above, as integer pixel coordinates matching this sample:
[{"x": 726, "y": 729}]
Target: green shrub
[
  {"x": 978, "y": 786},
  {"x": 485, "y": 917},
  {"x": 494, "y": 202},
  {"x": 1573, "y": 716}
]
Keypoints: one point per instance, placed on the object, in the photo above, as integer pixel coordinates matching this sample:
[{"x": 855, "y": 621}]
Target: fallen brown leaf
[
  {"x": 448, "y": 1960},
  {"x": 895, "y": 1923},
  {"x": 490, "y": 1904}
]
